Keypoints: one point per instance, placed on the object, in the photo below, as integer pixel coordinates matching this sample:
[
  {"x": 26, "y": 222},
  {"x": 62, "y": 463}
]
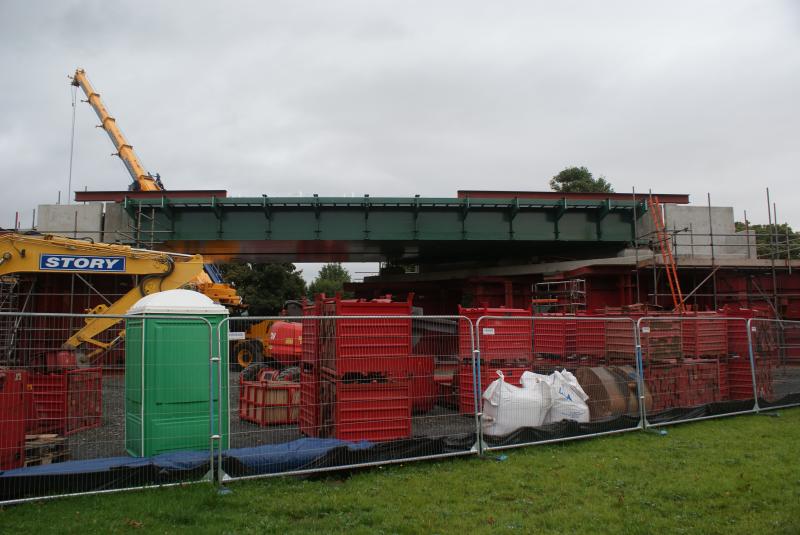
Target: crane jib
[{"x": 108, "y": 264}]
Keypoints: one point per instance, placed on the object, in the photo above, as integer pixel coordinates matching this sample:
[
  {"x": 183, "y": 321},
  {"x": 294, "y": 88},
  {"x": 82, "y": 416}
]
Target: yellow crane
[
  {"x": 158, "y": 271},
  {"x": 208, "y": 282},
  {"x": 142, "y": 180}
]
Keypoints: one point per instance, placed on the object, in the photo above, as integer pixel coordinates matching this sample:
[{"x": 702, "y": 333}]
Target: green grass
[{"x": 734, "y": 475}]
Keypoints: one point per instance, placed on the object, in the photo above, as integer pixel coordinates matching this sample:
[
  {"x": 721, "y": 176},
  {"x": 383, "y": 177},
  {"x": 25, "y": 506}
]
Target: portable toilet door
[{"x": 172, "y": 388}]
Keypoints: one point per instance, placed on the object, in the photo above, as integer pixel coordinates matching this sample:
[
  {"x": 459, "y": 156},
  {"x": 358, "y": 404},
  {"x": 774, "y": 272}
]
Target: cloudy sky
[{"x": 402, "y": 98}]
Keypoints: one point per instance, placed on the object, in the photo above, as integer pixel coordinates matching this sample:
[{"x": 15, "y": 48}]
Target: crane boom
[{"x": 142, "y": 180}]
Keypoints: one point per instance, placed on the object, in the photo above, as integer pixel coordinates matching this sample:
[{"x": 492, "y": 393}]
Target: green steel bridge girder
[{"x": 371, "y": 219}]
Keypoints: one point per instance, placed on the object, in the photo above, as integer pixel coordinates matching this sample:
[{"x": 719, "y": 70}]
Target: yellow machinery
[
  {"x": 142, "y": 180},
  {"x": 277, "y": 343},
  {"x": 158, "y": 271}
]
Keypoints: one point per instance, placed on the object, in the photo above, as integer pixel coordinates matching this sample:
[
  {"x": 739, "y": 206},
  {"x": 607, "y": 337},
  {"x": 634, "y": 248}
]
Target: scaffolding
[{"x": 566, "y": 297}]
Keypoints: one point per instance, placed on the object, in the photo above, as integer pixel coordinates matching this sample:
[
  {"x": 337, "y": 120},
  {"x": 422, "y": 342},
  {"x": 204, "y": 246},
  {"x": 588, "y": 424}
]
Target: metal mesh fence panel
[
  {"x": 334, "y": 388},
  {"x": 551, "y": 378},
  {"x": 776, "y": 359},
  {"x": 84, "y": 418},
  {"x": 695, "y": 367}
]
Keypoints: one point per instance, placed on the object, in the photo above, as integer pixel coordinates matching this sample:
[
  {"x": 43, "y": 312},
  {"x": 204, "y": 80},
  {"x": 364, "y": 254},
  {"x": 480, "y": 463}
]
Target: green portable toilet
[{"x": 167, "y": 365}]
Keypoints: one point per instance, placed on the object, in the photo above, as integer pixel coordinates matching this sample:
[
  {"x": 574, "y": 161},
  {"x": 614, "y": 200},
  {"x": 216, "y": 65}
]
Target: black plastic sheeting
[
  {"x": 563, "y": 429},
  {"x": 126, "y": 472},
  {"x": 311, "y": 453},
  {"x": 102, "y": 474}
]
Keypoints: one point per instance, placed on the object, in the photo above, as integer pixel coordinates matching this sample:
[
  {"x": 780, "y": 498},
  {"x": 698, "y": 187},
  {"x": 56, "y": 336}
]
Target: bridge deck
[{"x": 374, "y": 228}]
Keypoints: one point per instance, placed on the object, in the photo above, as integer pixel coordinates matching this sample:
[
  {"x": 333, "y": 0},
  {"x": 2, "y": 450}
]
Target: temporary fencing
[
  {"x": 79, "y": 419},
  {"x": 176, "y": 399},
  {"x": 695, "y": 366},
  {"x": 776, "y": 362},
  {"x": 339, "y": 389},
  {"x": 562, "y": 377}
]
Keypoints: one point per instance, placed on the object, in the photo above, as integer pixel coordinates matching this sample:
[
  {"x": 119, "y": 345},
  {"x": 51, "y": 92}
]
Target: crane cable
[{"x": 72, "y": 141}]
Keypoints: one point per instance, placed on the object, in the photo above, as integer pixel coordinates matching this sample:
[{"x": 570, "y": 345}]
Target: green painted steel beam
[{"x": 381, "y": 227}]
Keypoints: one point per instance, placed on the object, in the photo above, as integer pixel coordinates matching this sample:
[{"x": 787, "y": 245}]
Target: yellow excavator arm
[
  {"x": 40, "y": 254},
  {"x": 142, "y": 180}
]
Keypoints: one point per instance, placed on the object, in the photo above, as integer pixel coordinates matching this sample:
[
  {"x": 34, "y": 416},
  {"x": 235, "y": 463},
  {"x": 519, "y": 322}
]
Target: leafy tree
[
  {"x": 331, "y": 279},
  {"x": 783, "y": 238},
  {"x": 265, "y": 287},
  {"x": 579, "y": 180}
]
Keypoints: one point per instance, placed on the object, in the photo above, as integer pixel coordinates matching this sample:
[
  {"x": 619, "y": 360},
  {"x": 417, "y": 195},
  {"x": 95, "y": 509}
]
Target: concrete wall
[
  {"x": 116, "y": 225},
  {"x": 71, "y": 220},
  {"x": 694, "y": 236}
]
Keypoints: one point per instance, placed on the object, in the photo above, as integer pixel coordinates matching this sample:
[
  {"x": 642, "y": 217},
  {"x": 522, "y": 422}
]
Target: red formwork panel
[
  {"x": 378, "y": 410},
  {"x": 555, "y": 336},
  {"x": 424, "y": 390},
  {"x": 502, "y": 339},
  {"x": 365, "y": 346},
  {"x": 12, "y": 419},
  {"x": 705, "y": 335},
  {"x": 661, "y": 340},
  {"x": 466, "y": 387},
  {"x": 724, "y": 380},
  {"x": 309, "y": 417},
  {"x": 740, "y": 378},
  {"x": 590, "y": 341},
  {"x": 66, "y": 403},
  {"x": 310, "y": 344},
  {"x": 269, "y": 402}
]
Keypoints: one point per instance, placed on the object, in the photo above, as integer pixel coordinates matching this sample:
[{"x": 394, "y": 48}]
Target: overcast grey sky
[{"x": 399, "y": 98}]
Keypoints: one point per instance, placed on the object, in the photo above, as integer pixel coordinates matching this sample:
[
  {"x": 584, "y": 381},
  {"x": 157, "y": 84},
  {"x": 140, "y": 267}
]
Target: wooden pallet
[{"x": 45, "y": 449}]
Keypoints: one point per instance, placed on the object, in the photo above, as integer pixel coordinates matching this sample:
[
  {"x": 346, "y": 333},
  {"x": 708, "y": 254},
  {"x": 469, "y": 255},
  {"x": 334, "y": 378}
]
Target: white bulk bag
[
  {"x": 569, "y": 399},
  {"x": 507, "y": 408},
  {"x": 567, "y": 396}
]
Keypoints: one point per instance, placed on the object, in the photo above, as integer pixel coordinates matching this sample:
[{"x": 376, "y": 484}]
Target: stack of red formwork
[
  {"x": 12, "y": 419},
  {"x": 705, "y": 335},
  {"x": 554, "y": 337},
  {"x": 505, "y": 338},
  {"x": 702, "y": 386},
  {"x": 666, "y": 383},
  {"x": 506, "y": 343},
  {"x": 67, "y": 402},
  {"x": 364, "y": 389},
  {"x": 309, "y": 416},
  {"x": 590, "y": 340},
  {"x": 661, "y": 339},
  {"x": 620, "y": 342}
]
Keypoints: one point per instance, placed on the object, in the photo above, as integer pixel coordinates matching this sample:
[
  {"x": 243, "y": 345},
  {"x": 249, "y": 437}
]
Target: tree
[
  {"x": 265, "y": 287},
  {"x": 579, "y": 180},
  {"x": 331, "y": 279},
  {"x": 781, "y": 237}
]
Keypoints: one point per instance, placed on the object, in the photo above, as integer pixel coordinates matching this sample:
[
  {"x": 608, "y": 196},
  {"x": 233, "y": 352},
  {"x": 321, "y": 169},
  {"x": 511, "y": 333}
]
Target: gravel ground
[{"x": 108, "y": 440}]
